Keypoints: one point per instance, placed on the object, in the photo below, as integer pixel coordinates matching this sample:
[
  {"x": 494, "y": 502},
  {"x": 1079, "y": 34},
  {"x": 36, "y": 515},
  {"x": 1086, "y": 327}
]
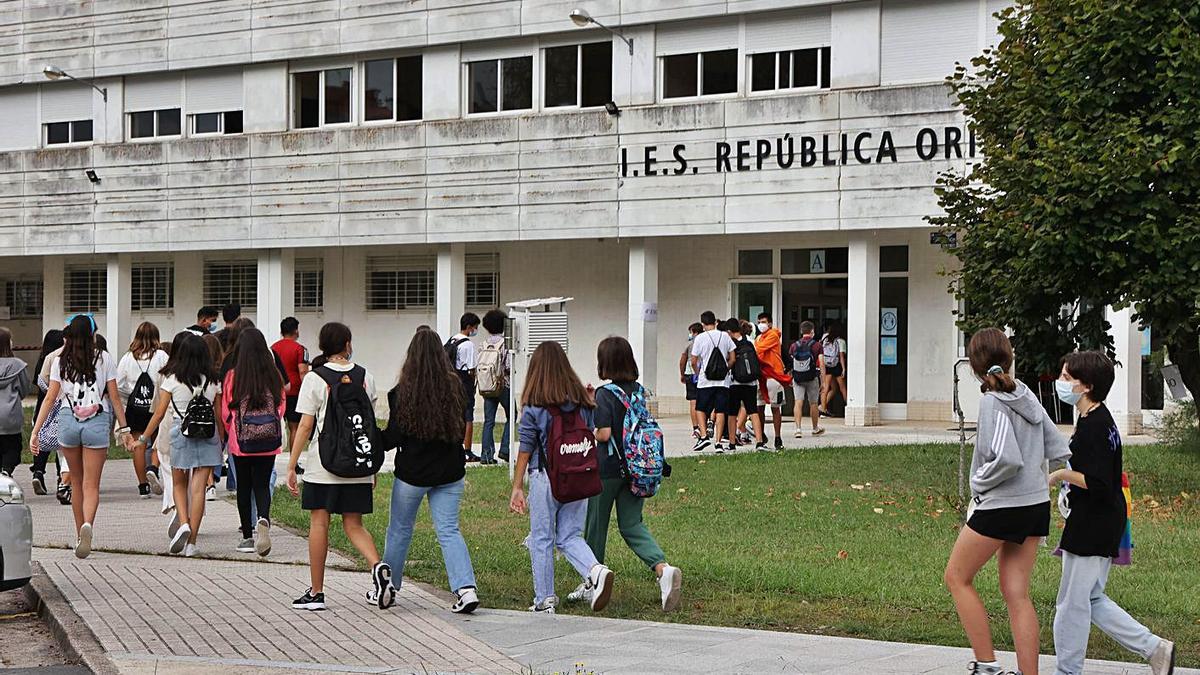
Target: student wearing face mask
[
  {"x": 774, "y": 377},
  {"x": 464, "y": 356},
  {"x": 1095, "y": 509},
  {"x": 687, "y": 375}
]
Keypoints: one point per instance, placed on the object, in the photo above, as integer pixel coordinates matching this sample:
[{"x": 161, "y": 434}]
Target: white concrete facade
[{"x": 642, "y": 216}]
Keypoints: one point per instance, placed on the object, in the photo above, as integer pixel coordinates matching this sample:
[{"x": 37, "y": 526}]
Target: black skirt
[
  {"x": 337, "y": 498},
  {"x": 1012, "y": 524}
]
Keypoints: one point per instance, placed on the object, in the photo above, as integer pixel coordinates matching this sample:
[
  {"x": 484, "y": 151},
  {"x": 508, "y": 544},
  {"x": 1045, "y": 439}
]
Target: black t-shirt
[
  {"x": 610, "y": 412},
  {"x": 1097, "y": 519},
  {"x": 423, "y": 462}
]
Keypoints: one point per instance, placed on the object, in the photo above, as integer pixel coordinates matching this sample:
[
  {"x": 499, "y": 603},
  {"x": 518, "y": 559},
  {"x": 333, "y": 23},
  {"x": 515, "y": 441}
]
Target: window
[
  {"x": 152, "y": 286},
  {"x": 217, "y": 123},
  {"x": 500, "y": 84},
  {"x": 85, "y": 288},
  {"x": 393, "y": 89},
  {"x": 322, "y": 97},
  {"x": 309, "y": 289},
  {"x": 578, "y": 75},
  {"x": 154, "y": 123},
  {"x": 483, "y": 280},
  {"x": 700, "y": 74},
  {"x": 68, "y": 132},
  {"x": 814, "y": 260},
  {"x": 893, "y": 258},
  {"x": 23, "y": 297},
  {"x": 231, "y": 281},
  {"x": 795, "y": 69},
  {"x": 751, "y": 263},
  {"x": 400, "y": 282}
]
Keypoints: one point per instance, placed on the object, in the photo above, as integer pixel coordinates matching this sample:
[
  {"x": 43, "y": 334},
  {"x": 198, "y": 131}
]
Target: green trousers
[{"x": 629, "y": 520}]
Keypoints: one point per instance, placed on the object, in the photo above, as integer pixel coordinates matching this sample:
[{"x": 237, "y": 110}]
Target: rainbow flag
[{"x": 1125, "y": 552}]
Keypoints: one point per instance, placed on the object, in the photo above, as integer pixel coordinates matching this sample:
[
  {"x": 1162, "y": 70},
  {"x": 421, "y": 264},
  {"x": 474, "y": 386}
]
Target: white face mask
[{"x": 762, "y": 327}]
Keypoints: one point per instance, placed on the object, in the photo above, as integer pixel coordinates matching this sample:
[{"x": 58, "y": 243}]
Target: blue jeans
[
  {"x": 489, "y": 426},
  {"x": 553, "y": 524},
  {"x": 443, "y": 506}
]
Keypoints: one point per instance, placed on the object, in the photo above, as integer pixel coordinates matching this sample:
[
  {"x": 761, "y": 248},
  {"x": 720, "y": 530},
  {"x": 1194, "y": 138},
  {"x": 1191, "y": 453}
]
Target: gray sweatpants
[{"x": 1081, "y": 603}]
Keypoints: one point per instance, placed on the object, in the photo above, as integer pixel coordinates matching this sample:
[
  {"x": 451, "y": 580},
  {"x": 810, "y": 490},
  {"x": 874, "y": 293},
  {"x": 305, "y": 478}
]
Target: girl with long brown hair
[
  {"x": 552, "y": 387},
  {"x": 1010, "y": 503},
  {"x": 142, "y": 365},
  {"x": 426, "y": 426}
]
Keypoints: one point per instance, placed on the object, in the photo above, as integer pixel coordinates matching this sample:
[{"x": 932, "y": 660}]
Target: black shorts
[
  {"x": 336, "y": 497},
  {"x": 711, "y": 400},
  {"x": 1012, "y": 524},
  {"x": 835, "y": 371},
  {"x": 690, "y": 386},
  {"x": 469, "y": 399},
  {"x": 742, "y": 396},
  {"x": 290, "y": 413}
]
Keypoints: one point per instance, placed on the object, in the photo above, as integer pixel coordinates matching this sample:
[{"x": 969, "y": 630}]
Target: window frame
[
  {"x": 362, "y": 90},
  {"x": 777, "y": 90},
  {"x": 92, "y": 270},
  {"x": 578, "y": 105},
  {"x": 699, "y": 95},
  {"x": 248, "y": 302},
  {"x": 192, "y": 133},
  {"x": 309, "y": 266},
  {"x": 154, "y": 267},
  {"x": 157, "y": 137},
  {"x": 397, "y": 266},
  {"x": 533, "y": 53},
  {"x": 70, "y": 133},
  {"x": 353, "y": 119},
  {"x": 11, "y": 287}
]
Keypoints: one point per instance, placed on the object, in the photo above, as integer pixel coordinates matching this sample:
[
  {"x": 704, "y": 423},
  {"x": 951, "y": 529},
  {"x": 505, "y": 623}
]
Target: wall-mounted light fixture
[
  {"x": 92, "y": 176},
  {"x": 582, "y": 18},
  {"x": 56, "y": 73}
]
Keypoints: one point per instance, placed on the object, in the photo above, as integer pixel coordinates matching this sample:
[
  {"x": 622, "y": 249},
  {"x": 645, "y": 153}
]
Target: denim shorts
[
  {"x": 193, "y": 453},
  {"x": 93, "y": 433}
]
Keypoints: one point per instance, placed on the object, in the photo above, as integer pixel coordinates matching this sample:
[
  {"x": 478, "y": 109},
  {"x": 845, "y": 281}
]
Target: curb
[{"x": 78, "y": 642}]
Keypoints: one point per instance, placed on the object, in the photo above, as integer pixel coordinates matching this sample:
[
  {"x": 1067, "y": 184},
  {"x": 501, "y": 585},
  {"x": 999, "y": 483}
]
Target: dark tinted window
[
  {"x": 517, "y": 80},
  {"x": 762, "y": 72},
  {"x": 893, "y": 258},
  {"x": 720, "y": 72},
  {"x": 826, "y": 56},
  {"x": 804, "y": 68},
  {"x": 378, "y": 100},
  {"x": 169, "y": 123},
  {"x": 58, "y": 132},
  {"x": 562, "y": 70},
  {"x": 755, "y": 262},
  {"x": 81, "y": 131},
  {"x": 409, "y": 78},
  {"x": 207, "y": 123},
  {"x": 597, "y": 74},
  {"x": 308, "y": 100},
  {"x": 813, "y": 261},
  {"x": 233, "y": 122},
  {"x": 483, "y": 95},
  {"x": 337, "y": 96},
  {"x": 679, "y": 76},
  {"x": 141, "y": 124}
]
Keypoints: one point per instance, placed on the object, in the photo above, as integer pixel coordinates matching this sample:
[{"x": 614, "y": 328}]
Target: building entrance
[{"x": 823, "y": 302}]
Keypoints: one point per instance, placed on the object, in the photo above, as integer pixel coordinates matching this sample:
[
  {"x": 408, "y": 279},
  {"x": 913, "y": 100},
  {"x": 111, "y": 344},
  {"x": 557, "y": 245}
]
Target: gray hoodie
[
  {"x": 14, "y": 386},
  {"x": 1016, "y": 438}
]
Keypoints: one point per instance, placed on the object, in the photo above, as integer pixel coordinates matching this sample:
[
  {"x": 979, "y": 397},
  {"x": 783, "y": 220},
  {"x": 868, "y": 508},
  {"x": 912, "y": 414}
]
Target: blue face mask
[
  {"x": 691, "y": 337},
  {"x": 1066, "y": 393}
]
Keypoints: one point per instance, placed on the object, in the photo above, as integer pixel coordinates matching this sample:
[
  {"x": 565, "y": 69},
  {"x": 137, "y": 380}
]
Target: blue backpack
[{"x": 645, "y": 461}]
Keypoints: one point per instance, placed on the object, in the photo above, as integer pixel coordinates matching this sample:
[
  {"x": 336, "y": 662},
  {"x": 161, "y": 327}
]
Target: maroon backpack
[{"x": 571, "y": 459}]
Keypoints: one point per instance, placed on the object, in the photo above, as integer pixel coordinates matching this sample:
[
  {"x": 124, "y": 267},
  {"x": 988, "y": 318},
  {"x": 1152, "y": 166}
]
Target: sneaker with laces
[
  {"x": 313, "y": 602},
  {"x": 722, "y": 447},
  {"x": 546, "y": 606},
  {"x": 144, "y": 490},
  {"x": 977, "y": 668},
  {"x": 152, "y": 479},
  {"x": 191, "y": 551},
  {"x": 381, "y": 577},
  {"x": 179, "y": 539},
  {"x": 210, "y": 494},
  {"x": 1162, "y": 661},
  {"x": 173, "y": 526},
  {"x": 744, "y": 438},
  {"x": 468, "y": 601},
  {"x": 696, "y": 433},
  {"x": 262, "y": 537},
  {"x": 763, "y": 447},
  {"x": 671, "y": 585},
  {"x": 702, "y": 444},
  {"x": 582, "y": 592},
  {"x": 63, "y": 493},
  {"x": 798, "y": 434},
  {"x": 600, "y": 579},
  {"x": 246, "y": 546},
  {"x": 778, "y": 443},
  {"x": 39, "y": 483},
  {"x": 818, "y": 431},
  {"x": 83, "y": 546}
]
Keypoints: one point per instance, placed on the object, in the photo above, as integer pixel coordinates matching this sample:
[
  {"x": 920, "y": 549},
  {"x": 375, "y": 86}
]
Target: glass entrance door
[{"x": 751, "y": 297}]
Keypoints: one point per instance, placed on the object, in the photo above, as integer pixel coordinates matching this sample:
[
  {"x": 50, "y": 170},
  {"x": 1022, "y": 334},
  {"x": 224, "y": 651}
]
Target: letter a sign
[{"x": 816, "y": 261}]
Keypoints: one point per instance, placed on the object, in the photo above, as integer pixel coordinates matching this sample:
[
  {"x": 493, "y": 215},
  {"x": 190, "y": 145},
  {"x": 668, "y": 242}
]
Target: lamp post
[
  {"x": 582, "y": 18},
  {"x": 56, "y": 73}
]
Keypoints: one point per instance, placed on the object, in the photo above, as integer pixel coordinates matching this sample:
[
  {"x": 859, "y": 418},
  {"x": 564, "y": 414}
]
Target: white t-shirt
[
  {"x": 181, "y": 394},
  {"x": 703, "y": 347},
  {"x": 130, "y": 369},
  {"x": 314, "y": 396},
  {"x": 106, "y": 371},
  {"x": 468, "y": 354}
]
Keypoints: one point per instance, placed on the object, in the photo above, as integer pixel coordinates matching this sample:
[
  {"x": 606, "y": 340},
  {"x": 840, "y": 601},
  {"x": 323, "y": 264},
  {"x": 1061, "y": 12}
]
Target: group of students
[{"x": 734, "y": 370}]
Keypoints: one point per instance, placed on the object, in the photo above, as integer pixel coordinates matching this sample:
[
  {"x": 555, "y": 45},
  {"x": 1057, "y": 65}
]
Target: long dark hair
[
  {"x": 50, "y": 342},
  {"x": 551, "y": 380},
  {"x": 6, "y": 351},
  {"x": 429, "y": 395},
  {"x": 255, "y": 376},
  {"x": 332, "y": 340},
  {"x": 236, "y": 329},
  {"x": 991, "y": 356},
  {"x": 78, "y": 360},
  {"x": 145, "y": 341},
  {"x": 191, "y": 363}
]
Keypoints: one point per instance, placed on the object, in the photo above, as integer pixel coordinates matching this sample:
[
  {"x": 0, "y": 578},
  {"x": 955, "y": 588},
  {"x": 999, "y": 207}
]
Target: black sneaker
[
  {"x": 384, "y": 593},
  {"x": 472, "y": 458},
  {"x": 702, "y": 444},
  {"x": 762, "y": 447},
  {"x": 503, "y": 457},
  {"x": 64, "y": 495},
  {"x": 39, "y": 483},
  {"x": 313, "y": 603},
  {"x": 778, "y": 443},
  {"x": 144, "y": 490}
]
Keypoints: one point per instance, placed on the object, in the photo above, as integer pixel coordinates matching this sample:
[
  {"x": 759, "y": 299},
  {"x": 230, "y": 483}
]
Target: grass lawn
[{"x": 832, "y": 541}]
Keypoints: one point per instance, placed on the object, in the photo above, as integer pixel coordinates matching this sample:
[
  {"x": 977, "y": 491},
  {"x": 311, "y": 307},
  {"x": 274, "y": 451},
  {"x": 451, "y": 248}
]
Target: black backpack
[
  {"x": 717, "y": 367},
  {"x": 349, "y": 443},
  {"x": 451, "y": 348},
  {"x": 140, "y": 407},
  {"x": 745, "y": 363},
  {"x": 199, "y": 421}
]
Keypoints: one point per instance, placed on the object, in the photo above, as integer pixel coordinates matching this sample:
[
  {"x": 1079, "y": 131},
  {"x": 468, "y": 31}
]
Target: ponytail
[{"x": 991, "y": 356}]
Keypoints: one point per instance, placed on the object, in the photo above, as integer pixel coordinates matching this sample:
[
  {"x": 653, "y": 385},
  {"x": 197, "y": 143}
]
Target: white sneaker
[
  {"x": 582, "y": 592},
  {"x": 262, "y": 537},
  {"x": 818, "y": 431},
  {"x": 798, "y": 434},
  {"x": 191, "y": 551},
  {"x": 155, "y": 483},
  {"x": 83, "y": 546},
  {"x": 468, "y": 601},
  {"x": 601, "y": 581},
  {"x": 1162, "y": 661},
  {"x": 245, "y": 546},
  {"x": 210, "y": 494},
  {"x": 545, "y": 606},
  {"x": 179, "y": 541},
  {"x": 670, "y": 583}
]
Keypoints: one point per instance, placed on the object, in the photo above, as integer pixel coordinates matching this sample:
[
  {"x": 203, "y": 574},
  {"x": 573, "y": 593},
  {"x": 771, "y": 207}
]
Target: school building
[{"x": 393, "y": 163}]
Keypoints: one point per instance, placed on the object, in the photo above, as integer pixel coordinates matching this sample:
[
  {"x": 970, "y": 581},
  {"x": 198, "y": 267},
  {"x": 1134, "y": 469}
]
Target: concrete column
[
  {"x": 276, "y": 289},
  {"x": 451, "y": 288},
  {"x": 118, "y": 319},
  {"x": 53, "y": 314},
  {"x": 643, "y": 308},
  {"x": 862, "y": 333},
  {"x": 189, "y": 290},
  {"x": 1125, "y": 399}
]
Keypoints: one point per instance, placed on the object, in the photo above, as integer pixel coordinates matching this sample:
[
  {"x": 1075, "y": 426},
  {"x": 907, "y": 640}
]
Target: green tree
[{"x": 1088, "y": 192}]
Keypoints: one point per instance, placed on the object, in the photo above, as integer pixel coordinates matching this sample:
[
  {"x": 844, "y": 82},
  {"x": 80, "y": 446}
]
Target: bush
[{"x": 1179, "y": 426}]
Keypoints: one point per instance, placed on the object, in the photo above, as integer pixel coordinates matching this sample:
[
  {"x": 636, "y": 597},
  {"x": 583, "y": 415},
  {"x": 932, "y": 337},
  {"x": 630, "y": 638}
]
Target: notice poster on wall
[
  {"x": 755, "y": 310},
  {"x": 1145, "y": 333},
  {"x": 650, "y": 312},
  {"x": 889, "y": 320},
  {"x": 887, "y": 351}
]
